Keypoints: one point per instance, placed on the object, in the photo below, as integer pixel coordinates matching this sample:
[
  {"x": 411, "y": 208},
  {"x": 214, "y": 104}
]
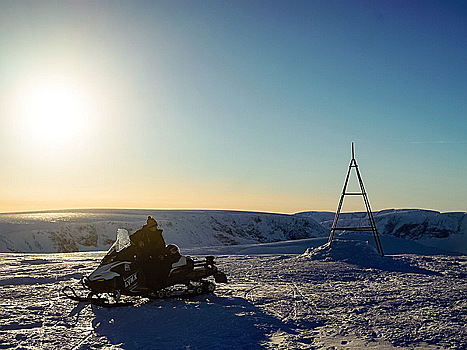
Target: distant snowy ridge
[
  {"x": 432, "y": 228},
  {"x": 86, "y": 230},
  {"x": 404, "y": 223},
  {"x": 402, "y": 230}
]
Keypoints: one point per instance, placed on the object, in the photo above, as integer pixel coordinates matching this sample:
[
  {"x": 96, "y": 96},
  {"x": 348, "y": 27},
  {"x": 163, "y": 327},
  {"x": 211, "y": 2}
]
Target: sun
[{"x": 53, "y": 116}]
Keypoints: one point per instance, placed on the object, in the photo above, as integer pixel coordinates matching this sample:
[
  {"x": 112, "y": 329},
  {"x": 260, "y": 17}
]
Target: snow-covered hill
[
  {"x": 402, "y": 231},
  {"x": 447, "y": 231},
  {"x": 86, "y": 230}
]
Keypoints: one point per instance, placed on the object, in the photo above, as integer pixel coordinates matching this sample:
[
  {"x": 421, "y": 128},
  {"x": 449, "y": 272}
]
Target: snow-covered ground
[
  {"x": 286, "y": 289},
  {"x": 347, "y": 297}
]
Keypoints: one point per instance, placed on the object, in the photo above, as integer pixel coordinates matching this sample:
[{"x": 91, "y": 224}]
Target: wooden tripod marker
[{"x": 372, "y": 227}]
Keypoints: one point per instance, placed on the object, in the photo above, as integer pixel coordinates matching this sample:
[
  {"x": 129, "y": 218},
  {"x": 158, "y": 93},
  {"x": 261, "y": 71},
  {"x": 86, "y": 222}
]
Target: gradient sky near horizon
[{"x": 248, "y": 105}]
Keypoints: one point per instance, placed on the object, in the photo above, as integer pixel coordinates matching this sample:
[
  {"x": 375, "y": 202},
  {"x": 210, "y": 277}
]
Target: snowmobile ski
[{"x": 98, "y": 300}]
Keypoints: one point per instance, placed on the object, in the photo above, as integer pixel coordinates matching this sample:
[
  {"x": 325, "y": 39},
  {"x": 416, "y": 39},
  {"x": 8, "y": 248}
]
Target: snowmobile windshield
[{"x": 122, "y": 242}]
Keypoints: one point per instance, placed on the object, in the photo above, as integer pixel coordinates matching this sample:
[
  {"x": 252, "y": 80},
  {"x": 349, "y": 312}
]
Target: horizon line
[{"x": 212, "y": 210}]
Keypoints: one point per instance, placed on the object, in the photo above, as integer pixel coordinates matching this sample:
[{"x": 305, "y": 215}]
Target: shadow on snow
[{"x": 204, "y": 322}]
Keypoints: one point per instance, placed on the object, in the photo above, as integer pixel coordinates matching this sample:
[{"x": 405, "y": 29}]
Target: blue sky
[{"x": 247, "y": 105}]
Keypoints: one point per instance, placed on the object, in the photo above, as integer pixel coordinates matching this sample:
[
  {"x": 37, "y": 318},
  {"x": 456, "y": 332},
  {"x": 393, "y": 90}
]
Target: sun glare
[{"x": 53, "y": 116}]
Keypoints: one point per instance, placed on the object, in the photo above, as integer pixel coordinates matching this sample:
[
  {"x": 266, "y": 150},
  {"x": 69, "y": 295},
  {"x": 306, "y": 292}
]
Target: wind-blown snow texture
[
  {"x": 344, "y": 298},
  {"x": 402, "y": 231}
]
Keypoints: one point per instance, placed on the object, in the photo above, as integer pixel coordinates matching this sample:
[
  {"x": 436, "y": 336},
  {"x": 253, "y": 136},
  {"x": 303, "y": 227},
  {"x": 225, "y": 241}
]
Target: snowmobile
[{"x": 122, "y": 271}]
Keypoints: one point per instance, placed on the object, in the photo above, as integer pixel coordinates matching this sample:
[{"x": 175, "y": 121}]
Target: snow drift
[
  {"x": 359, "y": 253},
  {"x": 344, "y": 250}
]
